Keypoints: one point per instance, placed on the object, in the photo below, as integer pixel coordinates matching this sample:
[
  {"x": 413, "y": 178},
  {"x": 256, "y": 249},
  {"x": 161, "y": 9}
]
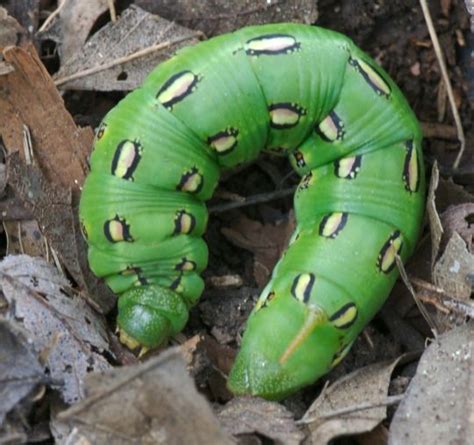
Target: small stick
[
  {"x": 251, "y": 200},
  {"x": 113, "y": 13},
  {"x": 136, "y": 55},
  {"x": 447, "y": 82},
  {"x": 51, "y": 17}
]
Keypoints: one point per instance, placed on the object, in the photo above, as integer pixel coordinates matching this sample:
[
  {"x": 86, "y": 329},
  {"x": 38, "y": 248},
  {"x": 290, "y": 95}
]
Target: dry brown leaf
[
  {"x": 330, "y": 415},
  {"x": 245, "y": 415},
  {"x": 266, "y": 241},
  {"x": 10, "y": 30},
  {"x": 215, "y": 17},
  {"x": 438, "y": 407},
  {"x": 63, "y": 329},
  {"x": 436, "y": 227},
  {"x": 106, "y": 62},
  {"x": 29, "y": 98},
  {"x": 72, "y": 26},
  {"x": 20, "y": 370},
  {"x": 151, "y": 403},
  {"x": 454, "y": 271}
]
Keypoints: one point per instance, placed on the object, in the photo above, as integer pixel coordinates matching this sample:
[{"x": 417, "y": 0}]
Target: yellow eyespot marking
[
  {"x": 344, "y": 317},
  {"x": 331, "y": 128},
  {"x": 263, "y": 302},
  {"x": 126, "y": 158},
  {"x": 133, "y": 270},
  {"x": 371, "y": 76},
  {"x": 299, "y": 159},
  {"x": 302, "y": 287},
  {"x": 185, "y": 265},
  {"x": 117, "y": 229},
  {"x": 101, "y": 131},
  {"x": 191, "y": 181},
  {"x": 224, "y": 141},
  {"x": 176, "y": 88},
  {"x": 285, "y": 115},
  {"x": 184, "y": 223},
  {"x": 386, "y": 260},
  {"x": 411, "y": 168},
  {"x": 306, "y": 181},
  {"x": 332, "y": 224},
  {"x": 271, "y": 44},
  {"x": 176, "y": 285},
  {"x": 348, "y": 168},
  {"x": 339, "y": 355}
]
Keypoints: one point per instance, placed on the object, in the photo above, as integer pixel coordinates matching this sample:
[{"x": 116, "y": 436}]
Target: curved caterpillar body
[{"x": 349, "y": 133}]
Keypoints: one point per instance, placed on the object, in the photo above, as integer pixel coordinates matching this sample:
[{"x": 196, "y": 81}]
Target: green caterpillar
[{"x": 348, "y": 131}]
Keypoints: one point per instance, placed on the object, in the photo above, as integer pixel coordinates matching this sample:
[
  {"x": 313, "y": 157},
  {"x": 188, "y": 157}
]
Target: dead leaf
[
  {"x": 438, "y": 405},
  {"x": 72, "y": 26},
  {"x": 354, "y": 404},
  {"x": 64, "y": 329},
  {"x": 436, "y": 228},
  {"x": 24, "y": 237},
  {"x": 112, "y": 59},
  {"x": 20, "y": 371},
  {"x": 454, "y": 271},
  {"x": 245, "y": 415},
  {"x": 10, "y": 30},
  {"x": 151, "y": 403},
  {"x": 215, "y": 17},
  {"x": 266, "y": 241},
  {"x": 29, "y": 98},
  {"x": 460, "y": 218}
]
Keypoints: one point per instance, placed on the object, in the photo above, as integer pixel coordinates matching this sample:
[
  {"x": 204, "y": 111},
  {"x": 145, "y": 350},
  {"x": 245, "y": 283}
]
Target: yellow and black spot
[
  {"x": 224, "y": 141},
  {"x": 306, "y": 181},
  {"x": 386, "y": 260},
  {"x": 344, "y": 317},
  {"x": 331, "y": 128},
  {"x": 117, "y": 229},
  {"x": 332, "y": 224},
  {"x": 372, "y": 76},
  {"x": 348, "y": 168},
  {"x": 272, "y": 45},
  {"x": 126, "y": 159},
  {"x": 191, "y": 181},
  {"x": 340, "y": 354},
  {"x": 101, "y": 131},
  {"x": 184, "y": 223},
  {"x": 185, "y": 265},
  {"x": 411, "y": 168},
  {"x": 270, "y": 296},
  {"x": 302, "y": 287},
  {"x": 83, "y": 230},
  {"x": 176, "y": 88},
  {"x": 133, "y": 270},
  {"x": 176, "y": 284},
  {"x": 299, "y": 159},
  {"x": 285, "y": 115}
]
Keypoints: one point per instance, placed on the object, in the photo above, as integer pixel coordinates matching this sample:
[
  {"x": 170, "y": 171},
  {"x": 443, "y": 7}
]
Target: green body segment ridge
[{"x": 348, "y": 131}]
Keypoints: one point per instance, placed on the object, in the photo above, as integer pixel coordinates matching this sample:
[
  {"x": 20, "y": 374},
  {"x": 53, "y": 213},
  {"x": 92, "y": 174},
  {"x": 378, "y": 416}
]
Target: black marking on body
[
  {"x": 224, "y": 141},
  {"x": 117, "y": 229},
  {"x": 101, "y": 131},
  {"x": 299, "y": 159},
  {"x": 348, "y": 168},
  {"x": 126, "y": 159},
  {"x": 192, "y": 181},
  {"x": 176, "y": 88},
  {"x": 331, "y": 128},
  {"x": 302, "y": 287},
  {"x": 184, "y": 223},
  {"x": 411, "y": 168},
  {"x": 332, "y": 224},
  {"x": 285, "y": 115},
  {"x": 372, "y": 76},
  {"x": 272, "y": 45},
  {"x": 386, "y": 260},
  {"x": 344, "y": 317}
]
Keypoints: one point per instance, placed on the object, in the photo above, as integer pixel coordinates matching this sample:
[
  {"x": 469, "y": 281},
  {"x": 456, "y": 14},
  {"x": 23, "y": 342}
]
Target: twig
[
  {"x": 113, "y": 13},
  {"x": 51, "y": 17},
  {"x": 447, "y": 82},
  {"x": 251, "y": 200},
  {"x": 390, "y": 400},
  {"x": 136, "y": 55}
]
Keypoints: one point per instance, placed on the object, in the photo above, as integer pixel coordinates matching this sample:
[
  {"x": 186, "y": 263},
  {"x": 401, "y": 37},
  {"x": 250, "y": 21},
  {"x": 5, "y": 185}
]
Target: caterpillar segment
[{"x": 348, "y": 131}]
